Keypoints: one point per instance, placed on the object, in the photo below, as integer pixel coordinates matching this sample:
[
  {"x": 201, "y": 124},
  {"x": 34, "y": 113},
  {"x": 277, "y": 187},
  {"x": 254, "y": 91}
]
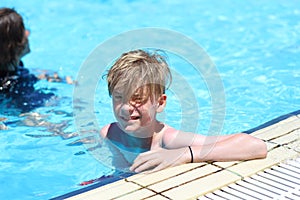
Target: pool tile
[
  {"x": 269, "y": 134},
  {"x": 109, "y": 191},
  {"x": 278, "y": 129},
  {"x": 270, "y": 145},
  {"x": 148, "y": 179},
  {"x": 289, "y": 119},
  {"x": 201, "y": 186},
  {"x": 138, "y": 194},
  {"x": 225, "y": 164},
  {"x": 294, "y": 124},
  {"x": 156, "y": 197},
  {"x": 272, "y": 126},
  {"x": 295, "y": 145},
  {"x": 275, "y": 156},
  {"x": 184, "y": 178},
  {"x": 288, "y": 138},
  {"x": 260, "y": 131}
]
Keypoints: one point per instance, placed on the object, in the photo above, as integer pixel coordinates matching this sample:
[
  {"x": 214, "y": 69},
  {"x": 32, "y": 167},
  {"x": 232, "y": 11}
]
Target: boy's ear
[{"x": 162, "y": 101}]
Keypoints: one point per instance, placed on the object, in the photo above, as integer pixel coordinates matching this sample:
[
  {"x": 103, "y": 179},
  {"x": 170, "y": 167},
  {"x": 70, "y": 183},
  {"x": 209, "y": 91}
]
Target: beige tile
[
  {"x": 272, "y": 126},
  {"x": 148, "y": 179},
  {"x": 109, "y": 191},
  {"x": 201, "y": 186},
  {"x": 290, "y": 119},
  {"x": 260, "y": 131},
  {"x": 294, "y": 145},
  {"x": 270, "y": 145},
  {"x": 269, "y": 134},
  {"x": 288, "y": 138},
  {"x": 225, "y": 164},
  {"x": 156, "y": 197},
  {"x": 275, "y": 156},
  {"x": 183, "y": 178},
  {"x": 138, "y": 194},
  {"x": 291, "y": 125},
  {"x": 278, "y": 129}
]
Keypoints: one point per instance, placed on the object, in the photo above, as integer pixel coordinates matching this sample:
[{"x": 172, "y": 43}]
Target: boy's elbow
[
  {"x": 260, "y": 149},
  {"x": 264, "y": 151},
  {"x": 257, "y": 148}
]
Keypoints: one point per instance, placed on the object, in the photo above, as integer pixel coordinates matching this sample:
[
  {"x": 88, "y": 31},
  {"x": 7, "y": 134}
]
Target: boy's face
[{"x": 137, "y": 115}]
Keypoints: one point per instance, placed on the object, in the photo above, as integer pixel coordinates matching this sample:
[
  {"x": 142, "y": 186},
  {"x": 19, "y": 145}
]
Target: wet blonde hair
[{"x": 140, "y": 71}]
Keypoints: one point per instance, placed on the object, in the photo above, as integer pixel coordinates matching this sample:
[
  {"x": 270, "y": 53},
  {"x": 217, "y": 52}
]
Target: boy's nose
[{"x": 127, "y": 108}]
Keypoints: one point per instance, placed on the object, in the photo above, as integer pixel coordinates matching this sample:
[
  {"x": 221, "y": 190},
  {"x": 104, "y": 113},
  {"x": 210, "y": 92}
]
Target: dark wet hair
[{"x": 12, "y": 39}]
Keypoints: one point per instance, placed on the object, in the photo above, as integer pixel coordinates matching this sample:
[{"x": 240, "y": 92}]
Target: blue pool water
[{"x": 254, "y": 45}]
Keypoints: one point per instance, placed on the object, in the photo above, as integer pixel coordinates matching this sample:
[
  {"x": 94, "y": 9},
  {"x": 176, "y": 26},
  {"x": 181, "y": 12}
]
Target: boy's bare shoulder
[
  {"x": 104, "y": 130},
  {"x": 169, "y": 133},
  {"x": 111, "y": 128}
]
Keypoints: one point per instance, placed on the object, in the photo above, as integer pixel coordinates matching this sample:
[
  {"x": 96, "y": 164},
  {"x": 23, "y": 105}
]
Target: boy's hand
[{"x": 159, "y": 159}]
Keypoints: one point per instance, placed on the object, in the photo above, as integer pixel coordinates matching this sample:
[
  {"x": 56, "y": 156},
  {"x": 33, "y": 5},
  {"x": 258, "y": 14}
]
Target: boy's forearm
[{"x": 238, "y": 147}]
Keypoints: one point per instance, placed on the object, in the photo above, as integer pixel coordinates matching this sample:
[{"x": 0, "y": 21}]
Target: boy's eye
[
  {"x": 117, "y": 97},
  {"x": 137, "y": 99}
]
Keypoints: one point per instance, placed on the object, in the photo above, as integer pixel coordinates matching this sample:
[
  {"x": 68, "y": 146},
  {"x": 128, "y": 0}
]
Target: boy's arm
[
  {"x": 239, "y": 146},
  {"x": 233, "y": 147}
]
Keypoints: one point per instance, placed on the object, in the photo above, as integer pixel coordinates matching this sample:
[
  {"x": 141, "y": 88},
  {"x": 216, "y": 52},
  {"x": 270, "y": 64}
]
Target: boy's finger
[
  {"x": 156, "y": 169},
  {"x": 141, "y": 159},
  {"x": 137, "y": 162},
  {"x": 141, "y": 167},
  {"x": 145, "y": 166}
]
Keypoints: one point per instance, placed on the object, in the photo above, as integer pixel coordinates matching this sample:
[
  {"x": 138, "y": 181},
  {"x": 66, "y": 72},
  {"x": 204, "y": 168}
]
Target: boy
[{"x": 137, "y": 83}]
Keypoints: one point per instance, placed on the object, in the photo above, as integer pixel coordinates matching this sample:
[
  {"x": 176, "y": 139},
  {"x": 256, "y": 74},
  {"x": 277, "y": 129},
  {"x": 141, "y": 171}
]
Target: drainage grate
[{"x": 278, "y": 182}]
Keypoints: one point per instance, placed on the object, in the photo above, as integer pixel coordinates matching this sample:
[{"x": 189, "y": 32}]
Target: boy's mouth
[
  {"x": 131, "y": 118},
  {"x": 134, "y": 117}
]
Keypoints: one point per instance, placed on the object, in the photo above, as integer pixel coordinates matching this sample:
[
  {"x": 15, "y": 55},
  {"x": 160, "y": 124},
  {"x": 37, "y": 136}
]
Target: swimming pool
[{"x": 255, "y": 46}]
